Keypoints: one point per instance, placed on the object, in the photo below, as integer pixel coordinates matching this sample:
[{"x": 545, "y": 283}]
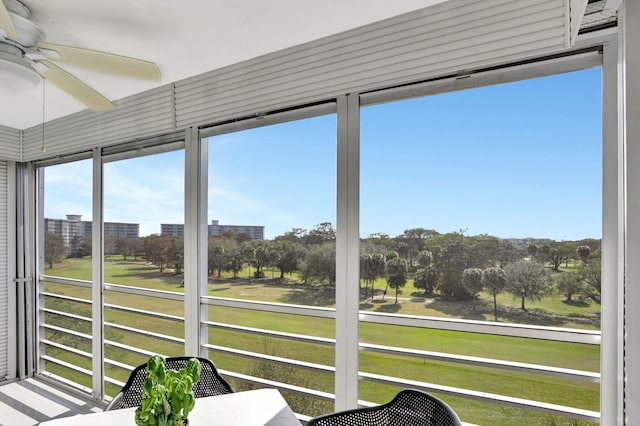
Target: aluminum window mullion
[
  {"x": 12, "y": 338},
  {"x": 629, "y": 128},
  {"x": 347, "y": 252},
  {"x": 97, "y": 278},
  {"x": 611, "y": 345},
  {"x": 195, "y": 242}
]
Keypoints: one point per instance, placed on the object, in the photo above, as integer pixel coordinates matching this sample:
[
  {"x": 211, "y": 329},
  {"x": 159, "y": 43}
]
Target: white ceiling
[{"x": 184, "y": 38}]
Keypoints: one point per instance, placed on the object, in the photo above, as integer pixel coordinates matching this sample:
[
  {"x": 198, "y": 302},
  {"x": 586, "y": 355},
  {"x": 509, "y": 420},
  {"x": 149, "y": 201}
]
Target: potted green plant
[{"x": 167, "y": 396}]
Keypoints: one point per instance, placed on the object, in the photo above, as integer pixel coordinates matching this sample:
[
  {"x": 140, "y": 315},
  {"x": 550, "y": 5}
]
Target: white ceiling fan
[{"x": 22, "y": 52}]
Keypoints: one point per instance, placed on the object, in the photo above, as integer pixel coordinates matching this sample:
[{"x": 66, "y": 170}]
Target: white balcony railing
[{"x": 49, "y": 345}]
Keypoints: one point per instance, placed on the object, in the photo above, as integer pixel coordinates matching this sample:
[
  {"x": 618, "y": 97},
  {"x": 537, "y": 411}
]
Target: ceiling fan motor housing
[{"x": 16, "y": 71}]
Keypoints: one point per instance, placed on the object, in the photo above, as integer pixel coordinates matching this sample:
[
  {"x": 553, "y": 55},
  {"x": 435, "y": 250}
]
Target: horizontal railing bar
[
  {"x": 114, "y": 382},
  {"x": 130, "y": 348},
  {"x": 66, "y": 330},
  {"x": 67, "y": 365},
  {"x": 144, "y": 332},
  {"x": 558, "y": 410},
  {"x": 121, "y": 365},
  {"x": 70, "y": 386},
  {"x": 270, "y": 333},
  {"x": 271, "y": 358},
  {"x": 283, "y": 308},
  {"x": 65, "y": 314},
  {"x": 471, "y": 326},
  {"x": 63, "y": 297},
  {"x": 118, "y": 364},
  {"x": 462, "y": 359},
  {"x": 279, "y": 385},
  {"x": 144, "y": 312},
  {"x": 139, "y": 291},
  {"x": 486, "y": 362},
  {"x": 68, "y": 281},
  {"x": 66, "y": 348},
  {"x": 485, "y": 327}
]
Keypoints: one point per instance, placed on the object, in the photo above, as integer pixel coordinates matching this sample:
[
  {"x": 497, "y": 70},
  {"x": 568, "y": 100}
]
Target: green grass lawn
[{"x": 289, "y": 290}]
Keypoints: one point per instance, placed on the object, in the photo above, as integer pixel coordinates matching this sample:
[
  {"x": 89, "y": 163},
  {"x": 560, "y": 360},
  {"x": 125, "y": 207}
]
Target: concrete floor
[{"x": 29, "y": 402}]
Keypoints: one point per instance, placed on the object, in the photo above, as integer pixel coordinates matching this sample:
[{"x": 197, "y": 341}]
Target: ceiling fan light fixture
[{"x": 17, "y": 76}]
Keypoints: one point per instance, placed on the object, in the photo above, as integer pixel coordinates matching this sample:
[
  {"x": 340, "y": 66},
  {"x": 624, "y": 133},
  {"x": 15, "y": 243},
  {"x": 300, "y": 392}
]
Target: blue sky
[{"x": 515, "y": 160}]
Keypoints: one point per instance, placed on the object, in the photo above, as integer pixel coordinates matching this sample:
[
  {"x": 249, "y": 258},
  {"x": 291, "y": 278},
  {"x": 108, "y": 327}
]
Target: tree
[
  {"x": 126, "y": 246},
  {"x": 273, "y": 260},
  {"x": 526, "y": 280},
  {"x": 483, "y": 250},
  {"x": 288, "y": 254},
  {"x": 560, "y": 253},
  {"x": 396, "y": 274},
  {"x": 320, "y": 233},
  {"x": 591, "y": 274},
  {"x": 425, "y": 258},
  {"x": 249, "y": 253},
  {"x": 261, "y": 258},
  {"x": 532, "y": 249},
  {"x": 366, "y": 272},
  {"x": 569, "y": 284},
  {"x": 411, "y": 242},
  {"x": 472, "y": 282},
  {"x": 162, "y": 250},
  {"x": 109, "y": 244},
  {"x": 54, "y": 249},
  {"x": 426, "y": 279},
  {"x": 450, "y": 258},
  {"x": 76, "y": 248},
  {"x": 494, "y": 281},
  {"x": 372, "y": 267},
  {"x": 175, "y": 252},
  {"x": 378, "y": 243},
  {"x": 234, "y": 261},
  {"x": 583, "y": 251},
  {"x": 320, "y": 263}
]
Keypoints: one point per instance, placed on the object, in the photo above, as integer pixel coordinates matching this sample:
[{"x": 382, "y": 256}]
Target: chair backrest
[
  {"x": 409, "y": 407},
  {"x": 210, "y": 383}
]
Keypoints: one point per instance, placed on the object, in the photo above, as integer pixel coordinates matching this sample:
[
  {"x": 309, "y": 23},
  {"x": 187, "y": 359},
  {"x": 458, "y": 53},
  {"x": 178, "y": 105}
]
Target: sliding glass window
[
  {"x": 143, "y": 259},
  {"x": 65, "y": 292},
  {"x": 271, "y": 239},
  {"x": 480, "y": 208}
]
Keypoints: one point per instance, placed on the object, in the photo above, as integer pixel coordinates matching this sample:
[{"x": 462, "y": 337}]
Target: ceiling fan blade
[
  {"x": 75, "y": 87},
  {"x": 103, "y": 61},
  {"x": 6, "y": 24}
]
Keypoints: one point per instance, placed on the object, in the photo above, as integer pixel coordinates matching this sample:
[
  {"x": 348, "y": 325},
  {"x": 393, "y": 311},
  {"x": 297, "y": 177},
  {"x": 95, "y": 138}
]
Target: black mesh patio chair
[
  {"x": 408, "y": 408},
  {"x": 210, "y": 383}
]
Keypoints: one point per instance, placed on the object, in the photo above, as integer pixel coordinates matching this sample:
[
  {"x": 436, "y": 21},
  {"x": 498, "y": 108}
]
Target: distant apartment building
[
  {"x": 255, "y": 232},
  {"x": 523, "y": 243},
  {"x": 73, "y": 227},
  {"x": 173, "y": 229}
]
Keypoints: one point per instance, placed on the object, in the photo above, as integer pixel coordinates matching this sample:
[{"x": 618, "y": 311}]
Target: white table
[{"x": 251, "y": 408}]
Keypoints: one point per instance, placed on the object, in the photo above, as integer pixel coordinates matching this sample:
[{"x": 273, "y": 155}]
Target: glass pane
[
  {"x": 67, "y": 254},
  {"x": 272, "y": 239},
  {"x": 473, "y": 194},
  {"x": 141, "y": 195}
]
